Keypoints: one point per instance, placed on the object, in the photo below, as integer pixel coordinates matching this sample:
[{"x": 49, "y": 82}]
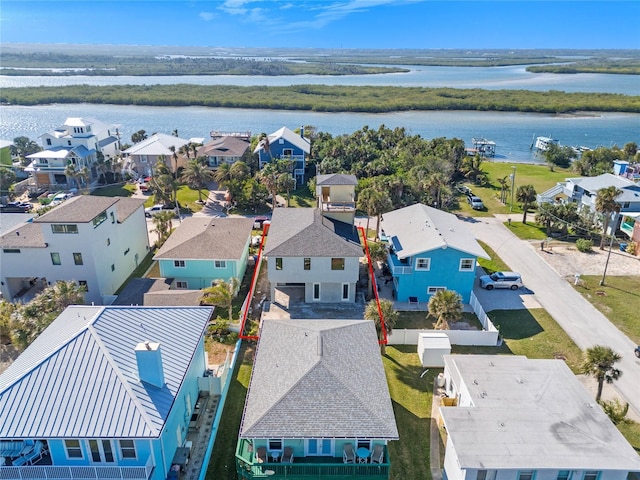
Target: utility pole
[
  {"x": 607, "y": 262},
  {"x": 513, "y": 183}
]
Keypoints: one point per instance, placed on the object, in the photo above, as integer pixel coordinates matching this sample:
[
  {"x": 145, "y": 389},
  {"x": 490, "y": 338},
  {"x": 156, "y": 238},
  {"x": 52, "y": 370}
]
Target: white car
[
  {"x": 475, "y": 202},
  {"x": 151, "y": 211},
  {"x": 510, "y": 280}
]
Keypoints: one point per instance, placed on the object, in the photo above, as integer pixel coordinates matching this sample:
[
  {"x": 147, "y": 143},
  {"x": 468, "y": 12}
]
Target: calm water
[{"x": 512, "y": 132}]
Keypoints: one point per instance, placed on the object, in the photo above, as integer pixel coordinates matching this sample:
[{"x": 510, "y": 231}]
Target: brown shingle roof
[{"x": 25, "y": 235}]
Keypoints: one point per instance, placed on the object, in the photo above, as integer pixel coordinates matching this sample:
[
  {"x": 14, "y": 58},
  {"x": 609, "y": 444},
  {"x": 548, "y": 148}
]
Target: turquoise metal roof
[{"x": 79, "y": 379}]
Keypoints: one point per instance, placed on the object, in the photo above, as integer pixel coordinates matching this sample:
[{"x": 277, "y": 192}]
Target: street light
[{"x": 513, "y": 183}]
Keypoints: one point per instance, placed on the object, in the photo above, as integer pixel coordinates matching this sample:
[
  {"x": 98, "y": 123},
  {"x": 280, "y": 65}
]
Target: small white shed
[{"x": 431, "y": 347}]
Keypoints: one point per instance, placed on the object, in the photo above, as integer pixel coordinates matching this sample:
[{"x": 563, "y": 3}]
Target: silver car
[{"x": 510, "y": 280}]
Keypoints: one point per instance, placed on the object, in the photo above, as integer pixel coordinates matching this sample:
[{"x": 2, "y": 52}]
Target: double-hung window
[
  {"x": 467, "y": 264},
  {"x": 337, "y": 264},
  {"x": 423, "y": 263},
  {"x": 178, "y": 263}
]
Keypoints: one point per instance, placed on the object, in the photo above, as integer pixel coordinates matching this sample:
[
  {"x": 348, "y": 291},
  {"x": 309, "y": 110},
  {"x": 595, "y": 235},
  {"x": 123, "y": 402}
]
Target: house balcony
[
  {"x": 328, "y": 206},
  {"x": 397, "y": 266},
  {"x": 303, "y": 468}
]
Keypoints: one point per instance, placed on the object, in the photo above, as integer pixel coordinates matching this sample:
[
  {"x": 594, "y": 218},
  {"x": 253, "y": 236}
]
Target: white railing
[
  {"x": 397, "y": 270},
  {"x": 53, "y": 472}
]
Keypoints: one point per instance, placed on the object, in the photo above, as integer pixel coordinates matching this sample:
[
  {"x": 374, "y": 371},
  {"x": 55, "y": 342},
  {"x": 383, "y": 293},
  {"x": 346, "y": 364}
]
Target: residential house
[
  {"x": 430, "y": 250},
  {"x": 105, "y": 392},
  {"x": 318, "y": 255},
  {"x": 203, "y": 250},
  {"x": 515, "y": 418},
  {"x": 225, "y": 148},
  {"x": 583, "y": 191},
  {"x": 78, "y": 142},
  {"x": 285, "y": 144},
  {"x": 317, "y": 387},
  {"x": 336, "y": 194},
  {"x": 142, "y": 157},
  {"x": 5, "y": 154},
  {"x": 95, "y": 241}
]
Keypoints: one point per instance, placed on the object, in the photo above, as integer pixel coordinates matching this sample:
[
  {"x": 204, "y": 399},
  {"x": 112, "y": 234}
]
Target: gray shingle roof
[
  {"x": 336, "y": 179},
  {"x": 80, "y": 209},
  {"x": 205, "y": 238},
  {"x": 25, "y": 235},
  {"x": 227, "y": 146},
  {"x": 304, "y": 232},
  {"x": 630, "y": 189},
  {"x": 419, "y": 228},
  {"x": 318, "y": 379}
]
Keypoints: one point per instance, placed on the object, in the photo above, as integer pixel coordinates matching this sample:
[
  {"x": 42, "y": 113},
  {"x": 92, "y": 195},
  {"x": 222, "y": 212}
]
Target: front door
[
  {"x": 316, "y": 447},
  {"x": 101, "y": 451}
]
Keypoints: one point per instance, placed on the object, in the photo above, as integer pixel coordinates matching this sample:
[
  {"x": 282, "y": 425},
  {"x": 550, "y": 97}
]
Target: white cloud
[{"x": 207, "y": 16}]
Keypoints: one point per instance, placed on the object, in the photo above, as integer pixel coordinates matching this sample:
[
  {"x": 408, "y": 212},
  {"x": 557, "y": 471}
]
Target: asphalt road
[{"x": 582, "y": 322}]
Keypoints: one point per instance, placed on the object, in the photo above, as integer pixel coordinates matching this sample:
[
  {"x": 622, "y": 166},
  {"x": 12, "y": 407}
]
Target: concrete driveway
[{"x": 582, "y": 322}]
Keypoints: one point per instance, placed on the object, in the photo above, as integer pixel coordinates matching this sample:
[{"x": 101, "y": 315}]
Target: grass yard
[
  {"x": 620, "y": 302},
  {"x": 186, "y": 198},
  {"x": 154, "y": 271},
  {"x": 419, "y": 320},
  {"x": 222, "y": 465},
  {"x": 123, "y": 190},
  {"x": 527, "y": 231},
  {"x": 302, "y": 197},
  {"x": 631, "y": 431},
  {"x": 411, "y": 397},
  {"x": 495, "y": 264}
]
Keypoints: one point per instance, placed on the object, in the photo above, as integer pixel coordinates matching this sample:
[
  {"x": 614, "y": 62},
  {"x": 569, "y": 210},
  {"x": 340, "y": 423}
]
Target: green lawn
[
  {"x": 419, "y": 320},
  {"x": 302, "y": 197},
  {"x": 186, "y": 198},
  {"x": 125, "y": 190},
  {"x": 528, "y": 231},
  {"x": 495, "y": 264},
  {"x": 618, "y": 300}
]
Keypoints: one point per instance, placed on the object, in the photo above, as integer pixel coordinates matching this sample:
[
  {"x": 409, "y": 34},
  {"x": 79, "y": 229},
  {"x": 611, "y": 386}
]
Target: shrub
[
  {"x": 632, "y": 247},
  {"x": 583, "y": 245}
]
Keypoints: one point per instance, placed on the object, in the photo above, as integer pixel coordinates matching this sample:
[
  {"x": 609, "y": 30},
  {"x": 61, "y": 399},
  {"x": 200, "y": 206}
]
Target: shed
[{"x": 431, "y": 347}]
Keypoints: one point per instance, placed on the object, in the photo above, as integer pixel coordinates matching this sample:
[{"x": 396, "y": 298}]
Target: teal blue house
[
  {"x": 429, "y": 250},
  {"x": 104, "y": 392},
  {"x": 203, "y": 250}
]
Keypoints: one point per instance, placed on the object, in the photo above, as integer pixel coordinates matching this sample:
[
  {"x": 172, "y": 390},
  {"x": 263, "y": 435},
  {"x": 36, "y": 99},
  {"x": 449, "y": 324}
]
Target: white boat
[{"x": 542, "y": 144}]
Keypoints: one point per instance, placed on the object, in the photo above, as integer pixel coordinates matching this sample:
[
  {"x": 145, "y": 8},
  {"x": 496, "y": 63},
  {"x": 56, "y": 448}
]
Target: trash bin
[{"x": 623, "y": 247}]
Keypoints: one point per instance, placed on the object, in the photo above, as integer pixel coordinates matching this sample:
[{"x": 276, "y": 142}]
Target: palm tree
[
  {"x": 221, "y": 295},
  {"x": 163, "y": 224},
  {"x": 504, "y": 188},
  {"x": 222, "y": 174},
  {"x": 268, "y": 176},
  {"x": 196, "y": 176},
  {"x": 139, "y": 136},
  {"x": 526, "y": 195},
  {"x": 71, "y": 171},
  {"x": 174, "y": 156},
  {"x": 374, "y": 202},
  {"x": 606, "y": 204},
  {"x": 378, "y": 253},
  {"x": 446, "y": 306},
  {"x": 286, "y": 183},
  {"x": 388, "y": 313},
  {"x": 598, "y": 362}
]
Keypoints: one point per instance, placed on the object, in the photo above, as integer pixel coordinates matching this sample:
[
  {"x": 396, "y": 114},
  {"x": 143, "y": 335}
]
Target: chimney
[
  {"x": 149, "y": 359},
  {"x": 302, "y": 131}
]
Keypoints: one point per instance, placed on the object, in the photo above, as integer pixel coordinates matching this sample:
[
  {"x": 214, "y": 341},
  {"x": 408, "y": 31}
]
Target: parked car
[
  {"x": 510, "y": 280},
  {"x": 258, "y": 222},
  {"x": 637, "y": 351},
  {"x": 151, "y": 211},
  {"x": 16, "y": 207},
  {"x": 475, "y": 202}
]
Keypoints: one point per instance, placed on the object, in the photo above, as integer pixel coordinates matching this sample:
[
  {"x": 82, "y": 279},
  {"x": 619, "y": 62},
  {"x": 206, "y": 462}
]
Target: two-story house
[
  {"x": 77, "y": 142},
  {"x": 104, "y": 392},
  {"x": 224, "y": 148},
  {"x": 336, "y": 194},
  {"x": 288, "y": 145},
  {"x": 514, "y": 418},
  {"x": 318, "y": 255},
  {"x": 95, "y": 241},
  {"x": 318, "y": 404},
  {"x": 142, "y": 157},
  {"x": 203, "y": 250},
  {"x": 430, "y": 250}
]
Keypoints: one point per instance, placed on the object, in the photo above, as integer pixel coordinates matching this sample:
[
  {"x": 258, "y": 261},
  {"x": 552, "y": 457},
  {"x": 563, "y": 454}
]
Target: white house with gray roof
[
  {"x": 524, "y": 419},
  {"x": 142, "y": 157},
  {"x": 94, "y": 241},
  {"x": 316, "y": 387},
  {"x": 336, "y": 194},
  {"x": 204, "y": 250},
  {"x": 104, "y": 392},
  {"x": 316, "y": 254},
  {"x": 430, "y": 250}
]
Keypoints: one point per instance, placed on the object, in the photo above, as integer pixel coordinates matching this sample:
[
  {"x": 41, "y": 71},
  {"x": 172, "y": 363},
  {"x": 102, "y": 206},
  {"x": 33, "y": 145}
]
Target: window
[
  {"x": 423, "y": 263},
  {"x": 564, "y": 474},
  {"x": 363, "y": 443},
  {"x": 48, "y": 141},
  {"x": 275, "y": 444},
  {"x": 64, "y": 228},
  {"x": 316, "y": 291},
  {"x": 345, "y": 291},
  {"x": 55, "y": 258},
  {"x": 219, "y": 264},
  {"x": 11, "y": 250},
  {"x": 467, "y": 264},
  {"x": 591, "y": 475},
  {"x": 182, "y": 285},
  {"x": 279, "y": 263},
  {"x": 626, "y": 204},
  {"x": 113, "y": 267},
  {"x": 526, "y": 475},
  {"x": 69, "y": 142},
  {"x": 307, "y": 263},
  {"x": 99, "y": 219},
  {"x": 337, "y": 264},
  {"x": 113, "y": 217},
  {"x": 433, "y": 290},
  {"x": 178, "y": 263},
  {"x": 108, "y": 242},
  {"x": 77, "y": 259},
  {"x": 486, "y": 475},
  {"x": 73, "y": 449},
  {"x": 127, "y": 449},
  {"x": 287, "y": 152},
  {"x": 83, "y": 284}
]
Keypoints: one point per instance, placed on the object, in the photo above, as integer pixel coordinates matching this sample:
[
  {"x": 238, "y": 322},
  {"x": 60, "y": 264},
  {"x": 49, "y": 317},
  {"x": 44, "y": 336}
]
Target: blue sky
[{"x": 325, "y": 23}]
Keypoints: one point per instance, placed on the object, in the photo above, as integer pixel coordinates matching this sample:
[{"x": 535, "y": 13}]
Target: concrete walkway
[{"x": 582, "y": 322}]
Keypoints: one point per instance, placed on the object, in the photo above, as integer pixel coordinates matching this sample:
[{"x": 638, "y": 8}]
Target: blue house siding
[
  {"x": 444, "y": 271},
  {"x": 200, "y": 273},
  {"x": 58, "y": 454}
]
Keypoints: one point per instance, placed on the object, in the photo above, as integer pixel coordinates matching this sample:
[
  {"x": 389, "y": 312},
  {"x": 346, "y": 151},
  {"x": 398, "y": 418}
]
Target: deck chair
[
  {"x": 348, "y": 455},
  {"x": 377, "y": 455},
  {"x": 261, "y": 453},
  {"x": 287, "y": 455},
  {"x": 30, "y": 456}
]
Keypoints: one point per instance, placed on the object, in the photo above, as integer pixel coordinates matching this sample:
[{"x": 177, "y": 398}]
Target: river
[{"x": 512, "y": 132}]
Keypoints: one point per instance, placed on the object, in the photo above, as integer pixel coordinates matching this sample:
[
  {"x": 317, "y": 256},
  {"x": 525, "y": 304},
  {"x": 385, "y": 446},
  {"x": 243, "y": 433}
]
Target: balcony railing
[
  {"x": 329, "y": 206},
  {"x": 86, "y": 472}
]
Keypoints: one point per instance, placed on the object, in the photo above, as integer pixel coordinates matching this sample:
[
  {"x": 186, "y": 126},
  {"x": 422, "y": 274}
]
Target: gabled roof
[
  {"x": 56, "y": 152},
  {"x": 79, "y": 378},
  {"x": 530, "y": 414},
  {"x": 157, "y": 144},
  {"x": 630, "y": 189},
  {"x": 288, "y": 135},
  {"x": 336, "y": 179},
  {"x": 227, "y": 146},
  {"x": 318, "y": 379},
  {"x": 206, "y": 238},
  {"x": 84, "y": 208},
  {"x": 418, "y": 228},
  {"x": 304, "y": 232}
]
